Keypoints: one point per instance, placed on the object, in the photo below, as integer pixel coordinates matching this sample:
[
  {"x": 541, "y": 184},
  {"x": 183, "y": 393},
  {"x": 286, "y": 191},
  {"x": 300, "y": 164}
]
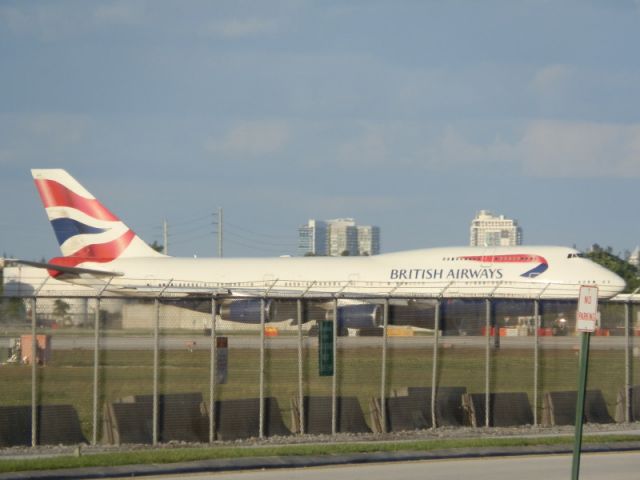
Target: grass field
[{"x": 69, "y": 376}]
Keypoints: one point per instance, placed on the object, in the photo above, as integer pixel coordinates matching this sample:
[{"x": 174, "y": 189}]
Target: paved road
[
  {"x": 610, "y": 466},
  {"x": 179, "y": 342}
]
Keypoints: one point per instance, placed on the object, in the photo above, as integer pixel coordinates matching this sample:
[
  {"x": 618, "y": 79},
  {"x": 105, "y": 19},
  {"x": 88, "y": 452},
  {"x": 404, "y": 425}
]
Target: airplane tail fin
[{"x": 86, "y": 230}]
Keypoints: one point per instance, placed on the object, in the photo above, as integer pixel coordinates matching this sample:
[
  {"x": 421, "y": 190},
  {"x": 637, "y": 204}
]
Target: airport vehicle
[{"x": 99, "y": 250}]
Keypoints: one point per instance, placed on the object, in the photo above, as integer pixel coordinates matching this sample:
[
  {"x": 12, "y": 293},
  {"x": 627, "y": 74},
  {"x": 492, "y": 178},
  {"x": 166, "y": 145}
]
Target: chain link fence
[{"x": 119, "y": 370}]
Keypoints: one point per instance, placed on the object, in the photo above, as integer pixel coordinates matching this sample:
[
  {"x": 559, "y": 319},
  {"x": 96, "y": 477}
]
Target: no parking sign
[{"x": 587, "y": 313}]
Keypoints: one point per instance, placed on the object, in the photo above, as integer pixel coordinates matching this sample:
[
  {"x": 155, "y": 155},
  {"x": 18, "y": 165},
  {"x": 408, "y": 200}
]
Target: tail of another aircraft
[{"x": 86, "y": 230}]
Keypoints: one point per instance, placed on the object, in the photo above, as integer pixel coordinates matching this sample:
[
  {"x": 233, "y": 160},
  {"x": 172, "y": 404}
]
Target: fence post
[
  {"x": 213, "y": 372},
  {"x": 536, "y": 358},
  {"x": 156, "y": 359},
  {"x": 334, "y": 382},
  {"x": 96, "y": 359},
  {"x": 261, "y": 420},
  {"x": 434, "y": 371},
  {"x": 383, "y": 375},
  {"x": 627, "y": 362},
  {"x": 487, "y": 384},
  {"x": 300, "y": 369},
  {"x": 34, "y": 374},
  {"x": 96, "y": 362}
]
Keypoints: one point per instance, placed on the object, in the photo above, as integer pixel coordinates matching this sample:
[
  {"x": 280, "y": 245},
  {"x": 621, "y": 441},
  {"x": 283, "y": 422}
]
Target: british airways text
[{"x": 445, "y": 274}]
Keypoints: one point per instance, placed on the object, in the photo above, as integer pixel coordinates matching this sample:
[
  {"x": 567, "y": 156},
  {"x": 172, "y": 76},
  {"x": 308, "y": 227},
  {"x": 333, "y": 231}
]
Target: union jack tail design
[{"x": 86, "y": 230}]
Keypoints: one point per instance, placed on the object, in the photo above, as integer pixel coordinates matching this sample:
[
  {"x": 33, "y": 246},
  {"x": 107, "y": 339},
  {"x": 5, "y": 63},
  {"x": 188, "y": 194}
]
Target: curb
[{"x": 257, "y": 463}]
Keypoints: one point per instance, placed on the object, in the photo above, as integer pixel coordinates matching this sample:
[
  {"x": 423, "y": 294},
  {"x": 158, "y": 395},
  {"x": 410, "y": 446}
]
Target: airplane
[{"x": 100, "y": 251}]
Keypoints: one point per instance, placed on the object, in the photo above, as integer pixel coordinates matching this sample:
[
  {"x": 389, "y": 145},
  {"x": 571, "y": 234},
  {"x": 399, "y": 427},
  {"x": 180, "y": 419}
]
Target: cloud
[
  {"x": 252, "y": 139},
  {"x": 236, "y": 28},
  {"x": 452, "y": 148},
  {"x": 551, "y": 78},
  {"x": 369, "y": 148},
  {"x": 57, "y": 128},
  {"x": 120, "y": 12},
  {"x": 580, "y": 149},
  {"x": 541, "y": 148},
  {"x": 42, "y": 137},
  {"x": 54, "y": 21}
]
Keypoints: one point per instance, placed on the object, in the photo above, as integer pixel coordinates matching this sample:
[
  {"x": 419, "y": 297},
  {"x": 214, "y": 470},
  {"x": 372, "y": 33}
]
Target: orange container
[{"x": 270, "y": 331}]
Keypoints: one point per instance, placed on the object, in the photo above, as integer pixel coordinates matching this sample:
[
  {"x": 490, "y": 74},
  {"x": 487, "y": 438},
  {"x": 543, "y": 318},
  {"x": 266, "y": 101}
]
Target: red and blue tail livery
[{"x": 85, "y": 229}]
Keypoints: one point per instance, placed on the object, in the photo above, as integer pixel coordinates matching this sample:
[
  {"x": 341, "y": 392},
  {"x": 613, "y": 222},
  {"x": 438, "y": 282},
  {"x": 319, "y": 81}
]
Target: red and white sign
[{"x": 587, "y": 314}]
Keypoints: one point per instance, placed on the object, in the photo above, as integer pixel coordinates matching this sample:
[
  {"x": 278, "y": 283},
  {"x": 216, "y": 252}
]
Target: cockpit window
[{"x": 576, "y": 255}]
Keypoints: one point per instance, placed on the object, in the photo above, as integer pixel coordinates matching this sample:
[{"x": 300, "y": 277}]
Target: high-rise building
[
  {"x": 490, "y": 230},
  {"x": 312, "y": 238},
  {"x": 340, "y": 236},
  {"x": 368, "y": 240}
]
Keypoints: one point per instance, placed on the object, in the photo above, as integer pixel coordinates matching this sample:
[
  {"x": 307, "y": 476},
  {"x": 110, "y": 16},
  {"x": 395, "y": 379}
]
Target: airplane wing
[{"x": 64, "y": 269}]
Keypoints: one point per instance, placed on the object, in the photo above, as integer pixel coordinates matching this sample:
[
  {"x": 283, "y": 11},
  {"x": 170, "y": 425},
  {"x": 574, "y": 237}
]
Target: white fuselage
[{"x": 514, "y": 272}]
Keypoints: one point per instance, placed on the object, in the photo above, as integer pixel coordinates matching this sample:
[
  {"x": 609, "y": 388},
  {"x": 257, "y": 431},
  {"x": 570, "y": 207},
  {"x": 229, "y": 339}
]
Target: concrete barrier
[
  {"x": 407, "y": 413},
  {"x": 236, "y": 419},
  {"x": 57, "y": 425},
  {"x": 505, "y": 409},
  {"x": 449, "y": 409},
  {"x": 317, "y": 415},
  {"x": 181, "y": 417},
  {"x": 634, "y": 406},
  {"x": 559, "y": 408}
]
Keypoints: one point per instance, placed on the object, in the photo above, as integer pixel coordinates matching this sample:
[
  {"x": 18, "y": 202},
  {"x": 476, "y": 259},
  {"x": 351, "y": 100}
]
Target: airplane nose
[{"x": 615, "y": 284}]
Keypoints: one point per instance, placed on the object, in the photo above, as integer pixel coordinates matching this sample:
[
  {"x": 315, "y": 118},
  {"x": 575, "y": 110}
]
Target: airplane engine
[
  {"x": 246, "y": 311},
  {"x": 358, "y": 316}
]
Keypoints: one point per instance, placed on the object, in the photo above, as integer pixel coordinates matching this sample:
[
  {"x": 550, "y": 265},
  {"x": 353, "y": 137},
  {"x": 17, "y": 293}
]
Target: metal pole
[
  {"x": 34, "y": 373},
  {"x": 96, "y": 362},
  {"x": 96, "y": 359},
  {"x": 34, "y": 362},
  {"x": 536, "y": 359},
  {"x": 334, "y": 384},
  {"x": 300, "y": 369},
  {"x": 434, "y": 368},
  {"x": 156, "y": 360},
  {"x": 383, "y": 375},
  {"x": 487, "y": 386},
  {"x": 165, "y": 237},
  {"x": 627, "y": 363},
  {"x": 261, "y": 429},
  {"x": 212, "y": 370},
  {"x": 220, "y": 236},
  {"x": 582, "y": 384}
]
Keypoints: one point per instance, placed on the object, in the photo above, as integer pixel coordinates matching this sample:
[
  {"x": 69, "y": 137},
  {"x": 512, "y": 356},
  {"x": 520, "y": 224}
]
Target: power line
[
  {"x": 261, "y": 242},
  {"x": 253, "y": 232},
  {"x": 256, "y": 248}
]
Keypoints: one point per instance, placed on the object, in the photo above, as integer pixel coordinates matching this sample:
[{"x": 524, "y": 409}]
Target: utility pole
[
  {"x": 165, "y": 237},
  {"x": 219, "y": 230}
]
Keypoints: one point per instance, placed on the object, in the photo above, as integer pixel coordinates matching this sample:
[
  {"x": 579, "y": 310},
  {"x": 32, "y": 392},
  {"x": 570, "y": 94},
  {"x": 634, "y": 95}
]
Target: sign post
[
  {"x": 586, "y": 317},
  {"x": 325, "y": 348}
]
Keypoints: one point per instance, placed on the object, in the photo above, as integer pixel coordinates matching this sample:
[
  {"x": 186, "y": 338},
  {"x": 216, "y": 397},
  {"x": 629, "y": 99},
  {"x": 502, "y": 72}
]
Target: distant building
[
  {"x": 491, "y": 230},
  {"x": 312, "y": 238},
  {"x": 634, "y": 258},
  {"x": 368, "y": 240},
  {"x": 340, "y": 236}
]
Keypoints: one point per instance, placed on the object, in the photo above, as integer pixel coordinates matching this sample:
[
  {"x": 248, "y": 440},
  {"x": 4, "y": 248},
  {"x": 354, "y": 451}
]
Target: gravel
[{"x": 44, "y": 451}]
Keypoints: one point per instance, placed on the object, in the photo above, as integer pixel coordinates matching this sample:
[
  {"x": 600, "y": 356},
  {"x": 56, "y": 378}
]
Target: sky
[{"x": 409, "y": 115}]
